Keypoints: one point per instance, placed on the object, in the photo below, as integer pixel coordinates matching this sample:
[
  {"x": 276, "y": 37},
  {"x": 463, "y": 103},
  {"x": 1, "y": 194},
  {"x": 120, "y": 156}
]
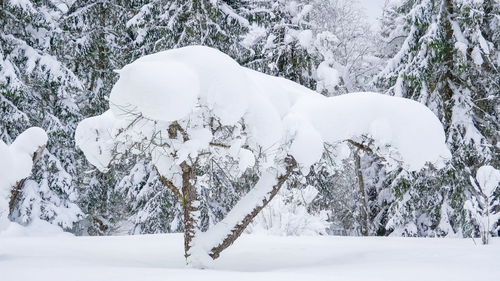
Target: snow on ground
[{"x": 253, "y": 257}]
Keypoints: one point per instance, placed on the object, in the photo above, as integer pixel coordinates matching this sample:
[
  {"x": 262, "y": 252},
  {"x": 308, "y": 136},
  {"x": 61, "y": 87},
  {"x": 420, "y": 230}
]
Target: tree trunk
[
  {"x": 365, "y": 213},
  {"x": 190, "y": 202},
  {"x": 486, "y": 228}
]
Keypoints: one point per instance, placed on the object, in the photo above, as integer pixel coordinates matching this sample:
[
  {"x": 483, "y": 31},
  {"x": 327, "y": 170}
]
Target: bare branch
[
  {"x": 168, "y": 183},
  {"x": 360, "y": 146}
]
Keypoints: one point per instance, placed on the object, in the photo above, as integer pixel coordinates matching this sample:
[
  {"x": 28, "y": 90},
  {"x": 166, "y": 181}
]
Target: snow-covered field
[{"x": 253, "y": 257}]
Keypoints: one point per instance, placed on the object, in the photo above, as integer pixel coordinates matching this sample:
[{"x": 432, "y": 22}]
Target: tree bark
[
  {"x": 190, "y": 203},
  {"x": 365, "y": 213},
  {"x": 189, "y": 195}
]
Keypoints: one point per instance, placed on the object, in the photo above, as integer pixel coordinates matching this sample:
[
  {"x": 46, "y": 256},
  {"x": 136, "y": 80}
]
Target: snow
[
  {"x": 16, "y": 161},
  {"x": 386, "y": 119},
  {"x": 476, "y": 56},
  {"x": 253, "y": 257},
  {"x": 227, "y": 10},
  {"x": 200, "y": 140},
  {"x": 26, "y": 5},
  {"x": 245, "y": 159},
  {"x": 462, "y": 42},
  {"x": 145, "y": 81},
  {"x": 287, "y": 214},
  {"x": 255, "y": 33},
  {"x": 169, "y": 85},
  {"x": 27, "y": 143},
  {"x": 305, "y": 38},
  {"x": 94, "y": 136},
  {"x": 488, "y": 179},
  {"x": 189, "y": 73},
  {"x": 205, "y": 241},
  {"x": 307, "y": 146},
  {"x": 36, "y": 228},
  {"x": 328, "y": 77}
]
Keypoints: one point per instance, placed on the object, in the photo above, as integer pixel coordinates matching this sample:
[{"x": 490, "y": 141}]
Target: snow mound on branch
[
  {"x": 166, "y": 85},
  {"x": 94, "y": 136},
  {"x": 169, "y": 85},
  {"x": 172, "y": 86},
  {"x": 488, "y": 179},
  {"x": 406, "y": 125},
  {"x": 328, "y": 77},
  {"x": 16, "y": 161}
]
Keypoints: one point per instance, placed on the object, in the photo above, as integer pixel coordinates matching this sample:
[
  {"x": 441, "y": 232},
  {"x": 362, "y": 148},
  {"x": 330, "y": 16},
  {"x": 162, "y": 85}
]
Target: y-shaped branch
[{"x": 222, "y": 235}]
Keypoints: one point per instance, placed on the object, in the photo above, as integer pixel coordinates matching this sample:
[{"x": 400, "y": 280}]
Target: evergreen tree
[
  {"x": 346, "y": 46},
  {"x": 153, "y": 208},
  {"x": 94, "y": 43},
  {"x": 280, "y": 40},
  {"x": 160, "y": 25},
  {"x": 447, "y": 61},
  {"x": 36, "y": 89}
]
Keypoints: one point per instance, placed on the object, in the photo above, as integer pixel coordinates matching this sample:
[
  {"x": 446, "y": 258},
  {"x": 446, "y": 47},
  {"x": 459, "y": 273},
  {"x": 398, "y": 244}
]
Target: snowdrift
[{"x": 253, "y": 257}]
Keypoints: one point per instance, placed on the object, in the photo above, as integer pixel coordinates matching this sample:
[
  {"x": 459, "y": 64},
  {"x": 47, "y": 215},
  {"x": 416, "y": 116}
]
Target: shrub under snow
[
  {"x": 484, "y": 207},
  {"x": 16, "y": 161}
]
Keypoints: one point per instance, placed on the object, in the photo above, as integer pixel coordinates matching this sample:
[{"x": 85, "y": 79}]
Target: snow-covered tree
[
  {"x": 161, "y": 25},
  {"x": 190, "y": 107},
  {"x": 36, "y": 89},
  {"x": 447, "y": 61},
  {"x": 346, "y": 45},
  {"x": 16, "y": 161},
  {"x": 152, "y": 207},
  {"x": 230, "y": 27},
  {"x": 485, "y": 206},
  {"x": 276, "y": 37},
  {"x": 93, "y": 45},
  {"x": 280, "y": 40},
  {"x": 94, "y": 42},
  {"x": 393, "y": 29}
]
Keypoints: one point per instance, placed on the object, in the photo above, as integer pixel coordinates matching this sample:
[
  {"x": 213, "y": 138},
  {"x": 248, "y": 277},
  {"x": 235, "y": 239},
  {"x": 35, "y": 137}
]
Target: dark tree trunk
[
  {"x": 190, "y": 202},
  {"x": 365, "y": 213}
]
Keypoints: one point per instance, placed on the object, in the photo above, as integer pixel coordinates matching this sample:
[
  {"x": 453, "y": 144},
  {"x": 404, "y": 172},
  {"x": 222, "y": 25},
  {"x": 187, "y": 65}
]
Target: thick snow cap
[
  {"x": 488, "y": 178},
  {"x": 168, "y": 85}
]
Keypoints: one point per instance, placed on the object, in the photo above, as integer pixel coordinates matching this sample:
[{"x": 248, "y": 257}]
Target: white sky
[{"x": 373, "y": 9}]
